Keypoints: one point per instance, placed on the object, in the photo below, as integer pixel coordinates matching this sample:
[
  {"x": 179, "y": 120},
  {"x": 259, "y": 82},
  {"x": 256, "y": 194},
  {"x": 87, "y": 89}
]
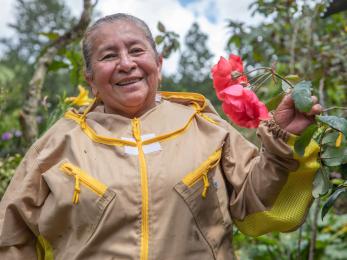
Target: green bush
[{"x": 8, "y": 166}]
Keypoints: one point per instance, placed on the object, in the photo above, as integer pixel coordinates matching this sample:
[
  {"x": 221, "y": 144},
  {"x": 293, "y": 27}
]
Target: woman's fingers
[
  {"x": 314, "y": 99},
  {"x": 316, "y": 108}
]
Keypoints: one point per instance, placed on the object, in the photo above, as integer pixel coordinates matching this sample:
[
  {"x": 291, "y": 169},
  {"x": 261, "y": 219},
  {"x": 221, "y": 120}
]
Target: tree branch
[
  {"x": 33, "y": 96},
  {"x": 314, "y": 231},
  {"x": 292, "y": 48}
]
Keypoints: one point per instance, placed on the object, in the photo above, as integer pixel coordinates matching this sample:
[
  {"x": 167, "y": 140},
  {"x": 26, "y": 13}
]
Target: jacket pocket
[
  {"x": 200, "y": 195},
  {"x": 201, "y": 173},
  {"x": 74, "y": 207},
  {"x": 82, "y": 178}
]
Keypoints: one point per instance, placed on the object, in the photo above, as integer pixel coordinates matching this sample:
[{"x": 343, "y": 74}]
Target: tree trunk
[{"x": 33, "y": 96}]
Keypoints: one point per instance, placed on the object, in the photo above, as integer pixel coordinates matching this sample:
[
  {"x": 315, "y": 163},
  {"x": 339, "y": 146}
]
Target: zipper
[
  {"x": 144, "y": 190},
  {"x": 82, "y": 177},
  {"x": 202, "y": 171}
]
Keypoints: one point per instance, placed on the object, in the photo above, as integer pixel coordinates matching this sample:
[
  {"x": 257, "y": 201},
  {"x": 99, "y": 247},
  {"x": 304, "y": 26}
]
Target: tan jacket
[{"x": 167, "y": 185}]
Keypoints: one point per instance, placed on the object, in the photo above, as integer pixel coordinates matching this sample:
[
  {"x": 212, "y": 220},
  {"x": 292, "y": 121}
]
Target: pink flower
[
  {"x": 226, "y": 73},
  {"x": 243, "y": 106},
  {"x": 237, "y": 69},
  {"x": 221, "y": 75}
]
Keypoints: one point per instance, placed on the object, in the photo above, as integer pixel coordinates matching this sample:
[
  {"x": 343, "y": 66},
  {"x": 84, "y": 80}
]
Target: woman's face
[{"x": 125, "y": 69}]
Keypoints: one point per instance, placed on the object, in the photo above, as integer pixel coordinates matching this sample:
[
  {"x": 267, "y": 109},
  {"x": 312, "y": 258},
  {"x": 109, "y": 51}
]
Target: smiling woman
[
  {"x": 142, "y": 174},
  {"x": 124, "y": 67}
]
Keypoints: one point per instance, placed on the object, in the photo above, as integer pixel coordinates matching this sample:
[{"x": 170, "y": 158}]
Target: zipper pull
[
  {"x": 136, "y": 129},
  {"x": 206, "y": 184},
  {"x": 76, "y": 194}
]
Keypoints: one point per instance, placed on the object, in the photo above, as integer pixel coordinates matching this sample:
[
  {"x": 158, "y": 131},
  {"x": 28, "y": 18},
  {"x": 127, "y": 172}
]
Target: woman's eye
[
  {"x": 136, "y": 51},
  {"x": 109, "y": 56}
]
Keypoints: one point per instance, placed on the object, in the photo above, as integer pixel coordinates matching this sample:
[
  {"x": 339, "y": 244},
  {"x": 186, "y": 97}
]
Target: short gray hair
[{"x": 86, "y": 43}]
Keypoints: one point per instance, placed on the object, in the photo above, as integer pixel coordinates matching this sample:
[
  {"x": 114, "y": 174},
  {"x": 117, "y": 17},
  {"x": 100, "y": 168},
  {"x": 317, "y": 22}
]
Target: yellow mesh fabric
[
  {"x": 291, "y": 206},
  {"x": 44, "y": 249}
]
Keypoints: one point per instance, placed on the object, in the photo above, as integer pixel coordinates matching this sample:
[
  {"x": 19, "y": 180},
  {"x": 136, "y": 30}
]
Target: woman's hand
[{"x": 292, "y": 120}]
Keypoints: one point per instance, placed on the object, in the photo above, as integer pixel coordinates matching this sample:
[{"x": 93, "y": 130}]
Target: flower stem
[
  {"x": 260, "y": 78},
  {"x": 335, "y": 107},
  {"x": 272, "y": 72},
  {"x": 269, "y": 75}
]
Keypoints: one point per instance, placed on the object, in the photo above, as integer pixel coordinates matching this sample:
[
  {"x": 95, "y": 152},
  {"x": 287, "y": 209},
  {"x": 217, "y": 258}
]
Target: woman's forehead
[{"x": 107, "y": 33}]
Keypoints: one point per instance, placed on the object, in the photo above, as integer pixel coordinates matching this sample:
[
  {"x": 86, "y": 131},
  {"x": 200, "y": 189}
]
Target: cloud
[
  {"x": 176, "y": 15},
  {"x": 5, "y": 17}
]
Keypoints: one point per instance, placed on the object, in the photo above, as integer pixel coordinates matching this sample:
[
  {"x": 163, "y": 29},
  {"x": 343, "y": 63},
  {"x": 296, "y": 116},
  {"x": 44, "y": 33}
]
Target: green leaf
[
  {"x": 337, "y": 181},
  {"x": 159, "y": 39},
  {"x": 330, "y": 138},
  {"x": 274, "y": 101},
  {"x": 321, "y": 184},
  {"x": 331, "y": 201},
  {"x": 334, "y": 122},
  {"x": 302, "y": 96},
  {"x": 56, "y": 65},
  {"x": 292, "y": 77},
  {"x": 235, "y": 39},
  {"x": 50, "y": 35},
  {"x": 334, "y": 156},
  {"x": 175, "y": 44},
  {"x": 304, "y": 139},
  {"x": 161, "y": 27}
]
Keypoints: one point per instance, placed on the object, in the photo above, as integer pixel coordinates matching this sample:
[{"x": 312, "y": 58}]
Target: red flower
[
  {"x": 226, "y": 73},
  {"x": 243, "y": 106},
  {"x": 221, "y": 75},
  {"x": 237, "y": 69}
]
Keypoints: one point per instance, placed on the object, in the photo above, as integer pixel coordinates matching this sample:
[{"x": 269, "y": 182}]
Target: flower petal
[{"x": 234, "y": 90}]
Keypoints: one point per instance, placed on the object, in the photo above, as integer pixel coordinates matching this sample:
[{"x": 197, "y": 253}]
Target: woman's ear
[
  {"x": 89, "y": 78},
  {"x": 160, "y": 64}
]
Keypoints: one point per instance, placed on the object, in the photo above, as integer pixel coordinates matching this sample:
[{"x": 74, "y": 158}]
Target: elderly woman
[{"x": 141, "y": 174}]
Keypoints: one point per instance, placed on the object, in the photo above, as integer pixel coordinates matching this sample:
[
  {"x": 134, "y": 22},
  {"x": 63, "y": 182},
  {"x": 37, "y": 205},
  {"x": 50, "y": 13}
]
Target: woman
[{"x": 147, "y": 175}]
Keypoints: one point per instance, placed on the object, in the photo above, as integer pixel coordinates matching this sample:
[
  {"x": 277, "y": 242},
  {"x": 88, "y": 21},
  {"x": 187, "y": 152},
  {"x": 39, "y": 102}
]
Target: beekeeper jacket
[{"x": 167, "y": 185}]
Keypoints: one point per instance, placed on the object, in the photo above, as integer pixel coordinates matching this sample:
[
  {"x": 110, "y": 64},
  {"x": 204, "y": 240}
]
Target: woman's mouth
[{"x": 127, "y": 82}]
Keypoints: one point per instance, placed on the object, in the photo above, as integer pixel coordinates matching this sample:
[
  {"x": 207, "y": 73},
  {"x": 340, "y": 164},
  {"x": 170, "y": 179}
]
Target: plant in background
[
  {"x": 7, "y": 169},
  {"x": 331, "y": 237},
  {"x": 241, "y": 104},
  {"x": 64, "y": 103},
  {"x": 167, "y": 41}
]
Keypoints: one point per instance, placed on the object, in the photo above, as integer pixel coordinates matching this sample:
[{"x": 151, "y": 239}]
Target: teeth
[{"x": 126, "y": 82}]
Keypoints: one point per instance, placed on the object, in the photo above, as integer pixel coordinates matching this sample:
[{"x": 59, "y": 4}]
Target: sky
[{"x": 176, "y": 15}]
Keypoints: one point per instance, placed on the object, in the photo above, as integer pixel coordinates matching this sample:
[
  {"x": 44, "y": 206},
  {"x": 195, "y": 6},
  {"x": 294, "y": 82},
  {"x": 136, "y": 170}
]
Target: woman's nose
[{"x": 126, "y": 63}]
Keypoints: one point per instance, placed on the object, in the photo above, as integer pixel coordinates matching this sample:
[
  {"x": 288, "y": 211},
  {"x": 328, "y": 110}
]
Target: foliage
[
  {"x": 330, "y": 243},
  {"x": 301, "y": 43},
  {"x": 195, "y": 60},
  {"x": 194, "y": 67},
  {"x": 17, "y": 64},
  {"x": 36, "y": 24},
  {"x": 167, "y": 41},
  {"x": 7, "y": 169}
]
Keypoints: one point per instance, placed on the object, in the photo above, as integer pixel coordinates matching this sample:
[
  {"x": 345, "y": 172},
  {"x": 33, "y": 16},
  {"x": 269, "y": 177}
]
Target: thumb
[{"x": 287, "y": 102}]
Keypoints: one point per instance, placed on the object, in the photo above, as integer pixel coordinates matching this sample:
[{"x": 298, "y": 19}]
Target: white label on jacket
[{"x": 148, "y": 148}]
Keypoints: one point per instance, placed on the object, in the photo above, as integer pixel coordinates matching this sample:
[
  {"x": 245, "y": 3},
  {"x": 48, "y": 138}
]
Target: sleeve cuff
[{"x": 276, "y": 130}]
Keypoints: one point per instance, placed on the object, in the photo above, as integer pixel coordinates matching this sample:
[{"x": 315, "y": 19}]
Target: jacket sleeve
[
  {"x": 20, "y": 210},
  {"x": 270, "y": 189}
]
